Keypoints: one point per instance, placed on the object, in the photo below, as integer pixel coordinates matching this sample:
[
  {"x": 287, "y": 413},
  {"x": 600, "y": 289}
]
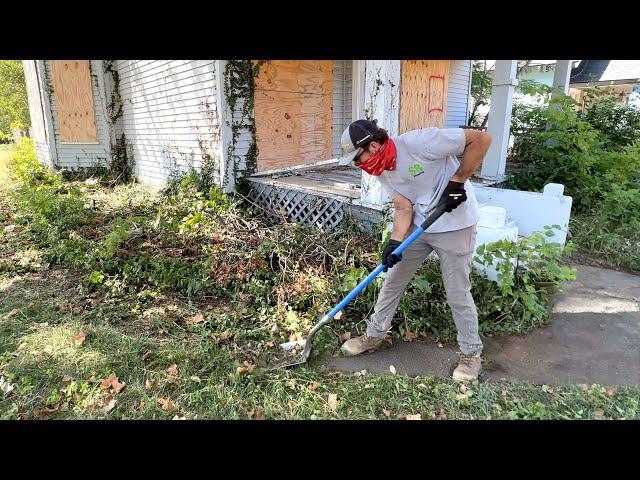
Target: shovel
[{"x": 292, "y": 347}]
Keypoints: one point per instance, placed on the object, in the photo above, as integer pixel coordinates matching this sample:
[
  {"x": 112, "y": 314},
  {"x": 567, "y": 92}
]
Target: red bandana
[{"x": 385, "y": 159}]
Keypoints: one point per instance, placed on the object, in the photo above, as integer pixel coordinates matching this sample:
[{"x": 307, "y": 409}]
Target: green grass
[
  {"x": 599, "y": 245},
  {"x": 61, "y": 336},
  {"x": 55, "y": 378}
]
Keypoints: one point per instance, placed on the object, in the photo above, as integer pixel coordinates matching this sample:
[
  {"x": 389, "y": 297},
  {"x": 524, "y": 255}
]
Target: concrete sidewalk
[{"x": 594, "y": 338}]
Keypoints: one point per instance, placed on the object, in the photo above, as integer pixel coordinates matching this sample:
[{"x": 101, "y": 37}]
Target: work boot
[
  {"x": 357, "y": 345},
  {"x": 468, "y": 368}
]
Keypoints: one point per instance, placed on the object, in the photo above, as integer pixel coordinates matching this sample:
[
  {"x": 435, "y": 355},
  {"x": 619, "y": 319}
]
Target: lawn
[{"x": 127, "y": 303}]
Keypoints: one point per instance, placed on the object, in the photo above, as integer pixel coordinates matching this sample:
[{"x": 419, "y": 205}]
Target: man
[{"x": 419, "y": 170}]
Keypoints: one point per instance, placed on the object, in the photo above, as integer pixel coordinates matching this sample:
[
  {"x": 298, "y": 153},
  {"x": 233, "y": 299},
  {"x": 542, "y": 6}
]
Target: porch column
[
  {"x": 45, "y": 98},
  {"x": 561, "y": 76},
  {"x": 381, "y": 102},
  {"x": 504, "y": 82}
]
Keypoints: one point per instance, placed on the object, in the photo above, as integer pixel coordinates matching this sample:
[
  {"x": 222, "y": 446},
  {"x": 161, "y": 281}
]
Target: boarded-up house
[{"x": 275, "y": 123}]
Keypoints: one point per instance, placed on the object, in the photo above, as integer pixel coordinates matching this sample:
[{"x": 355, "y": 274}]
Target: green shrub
[{"x": 596, "y": 155}]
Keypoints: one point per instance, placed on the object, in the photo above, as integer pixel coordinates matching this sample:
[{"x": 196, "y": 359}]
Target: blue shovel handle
[{"x": 435, "y": 214}]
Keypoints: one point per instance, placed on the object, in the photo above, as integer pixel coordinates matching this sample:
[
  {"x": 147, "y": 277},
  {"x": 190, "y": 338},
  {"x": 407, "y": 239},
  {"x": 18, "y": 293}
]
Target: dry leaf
[
  {"x": 387, "y": 413},
  {"x": 148, "y": 384},
  {"x": 294, "y": 337},
  {"x": 5, "y": 386},
  {"x": 315, "y": 386},
  {"x": 105, "y": 384},
  {"x": 260, "y": 414},
  {"x": 80, "y": 337},
  {"x": 224, "y": 336},
  {"x": 45, "y": 410},
  {"x": 48, "y": 349},
  {"x": 110, "y": 405},
  {"x": 598, "y": 413},
  {"x": 22, "y": 346},
  {"x": 409, "y": 335},
  {"x": 367, "y": 386},
  {"x": 31, "y": 305},
  {"x": 197, "y": 318},
  {"x": 611, "y": 391},
  {"x": 66, "y": 378},
  {"x": 118, "y": 387},
  {"x": 241, "y": 370},
  {"x": 392, "y": 369},
  {"x": 345, "y": 336},
  {"x": 583, "y": 386},
  {"x": 463, "y": 388},
  {"x": 179, "y": 418},
  {"x": 113, "y": 383},
  {"x": 333, "y": 401},
  {"x": 77, "y": 310},
  {"x": 414, "y": 417},
  {"x": 338, "y": 315},
  {"x": 13, "y": 312},
  {"x": 250, "y": 366},
  {"x": 173, "y": 370},
  {"x": 167, "y": 404}
]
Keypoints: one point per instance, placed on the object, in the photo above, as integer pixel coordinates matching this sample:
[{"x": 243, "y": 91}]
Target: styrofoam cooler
[{"x": 493, "y": 226}]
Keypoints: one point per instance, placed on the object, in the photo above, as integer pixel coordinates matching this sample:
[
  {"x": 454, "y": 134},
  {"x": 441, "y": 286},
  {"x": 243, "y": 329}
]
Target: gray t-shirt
[{"x": 426, "y": 160}]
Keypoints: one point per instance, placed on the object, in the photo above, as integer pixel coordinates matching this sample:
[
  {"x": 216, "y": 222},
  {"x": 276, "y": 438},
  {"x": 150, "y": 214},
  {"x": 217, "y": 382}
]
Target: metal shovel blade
[
  {"x": 292, "y": 359},
  {"x": 290, "y": 347}
]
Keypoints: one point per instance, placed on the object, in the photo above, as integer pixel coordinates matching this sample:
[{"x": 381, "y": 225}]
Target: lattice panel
[{"x": 304, "y": 208}]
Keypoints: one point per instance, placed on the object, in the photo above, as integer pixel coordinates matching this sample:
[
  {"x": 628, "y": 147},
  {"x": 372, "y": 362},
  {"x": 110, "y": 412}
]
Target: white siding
[
  {"x": 342, "y": 106},
  {"x": 73, "y": 155},
  {"x": 36, "y": 112},
  {"x": 243, "y": 139},
  {"x": 458, "y": 93},
  {"x": 170, "y": 116}
]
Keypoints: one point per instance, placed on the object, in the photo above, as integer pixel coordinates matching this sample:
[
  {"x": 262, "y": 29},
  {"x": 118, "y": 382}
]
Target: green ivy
[{"x": 239, "y": 86}]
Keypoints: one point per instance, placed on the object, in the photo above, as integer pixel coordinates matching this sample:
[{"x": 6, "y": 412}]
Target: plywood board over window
[
  {"x": 293, "y": 113},
  {"x": 74, "y": 101},
  {"x": 423, "y": 94}
]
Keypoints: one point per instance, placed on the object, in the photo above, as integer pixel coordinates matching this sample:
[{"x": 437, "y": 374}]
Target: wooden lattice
[{"x": 324, "y": 213}]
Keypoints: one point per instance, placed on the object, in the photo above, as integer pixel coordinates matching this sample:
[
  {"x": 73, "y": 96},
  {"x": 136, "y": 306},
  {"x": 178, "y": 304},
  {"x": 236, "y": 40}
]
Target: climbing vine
[
  {"x": 369, "y": 112},
  {"x": 114, "y": 107},
  {"x": 239, "y": 89},
  {"x": 121, "y": 166}
]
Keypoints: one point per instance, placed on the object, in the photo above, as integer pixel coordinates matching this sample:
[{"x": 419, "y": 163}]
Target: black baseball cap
[{"x": 355, "y": 138}]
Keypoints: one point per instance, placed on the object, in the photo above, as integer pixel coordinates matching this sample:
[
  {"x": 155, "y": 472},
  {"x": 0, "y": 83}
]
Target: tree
[
  {"x": 14, "y": 105},
  {"x": 481, "y": 83}
]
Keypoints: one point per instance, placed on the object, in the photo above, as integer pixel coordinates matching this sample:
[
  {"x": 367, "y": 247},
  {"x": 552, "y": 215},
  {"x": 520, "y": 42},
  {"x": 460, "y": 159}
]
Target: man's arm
[
  {"x": 476, "y": 145},
  {"x": 402, "y": 217}
]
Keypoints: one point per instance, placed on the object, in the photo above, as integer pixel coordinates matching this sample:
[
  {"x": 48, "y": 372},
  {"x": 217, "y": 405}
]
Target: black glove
[
  {"x": 388, "y": 259},
  {"x": 453, "y": 195}
]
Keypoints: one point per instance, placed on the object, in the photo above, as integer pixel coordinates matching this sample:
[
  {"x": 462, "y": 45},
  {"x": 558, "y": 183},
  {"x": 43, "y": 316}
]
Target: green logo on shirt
[{"x": 416, "y": 169}]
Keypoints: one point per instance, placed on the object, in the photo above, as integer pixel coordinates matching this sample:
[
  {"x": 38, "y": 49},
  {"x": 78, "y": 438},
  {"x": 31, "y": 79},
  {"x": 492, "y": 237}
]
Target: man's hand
[
  {"x": 453, "y": 195},
  {"x": 387, "y": 258}
]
